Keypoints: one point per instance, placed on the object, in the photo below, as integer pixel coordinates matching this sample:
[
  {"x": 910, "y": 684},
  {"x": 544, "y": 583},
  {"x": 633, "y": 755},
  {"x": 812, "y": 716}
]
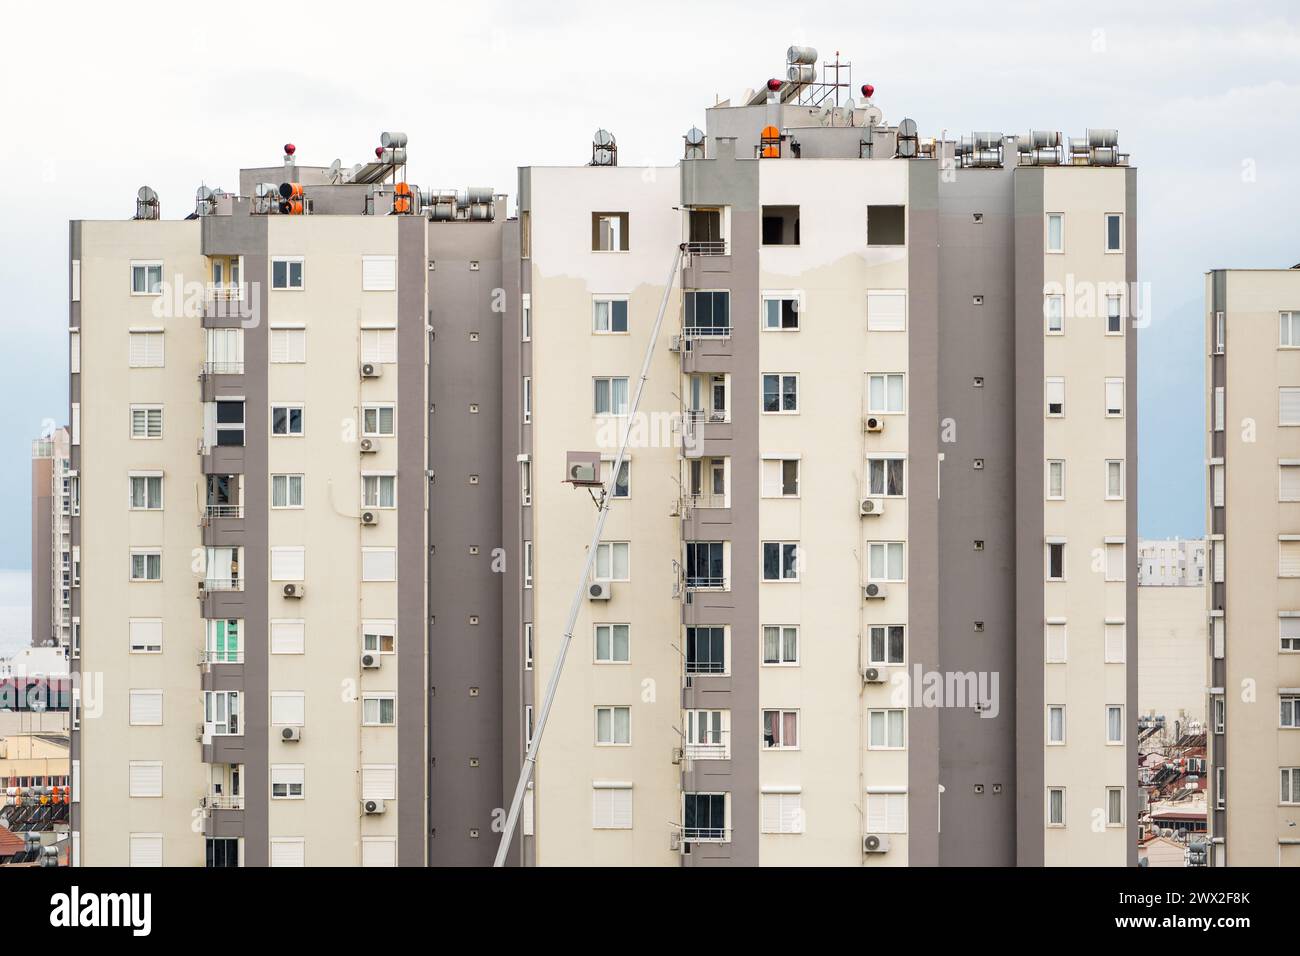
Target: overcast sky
[{"x": 97, "y": 100}]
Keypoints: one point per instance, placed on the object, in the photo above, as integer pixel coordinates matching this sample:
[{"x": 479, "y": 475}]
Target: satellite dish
[
  {"x": 334, "y": 171},
  {"x": 825, "y": 116},
  {"x": 844, "y": 115},
  {"x": 694, "y": 137}
]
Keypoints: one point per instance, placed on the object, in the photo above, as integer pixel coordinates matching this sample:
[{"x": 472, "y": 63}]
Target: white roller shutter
[
  {"x": 378, "y": 564},
  {"x": 886, "y": 311},
  {"x": 1219, "y": 557},
  {"x": 288, "y": 637},
  {"x": 1289, "y": 562},
  {"x": 288, "y": 708},
  {"x": 1216, "y": 483},
  {"x": 146, "y": 707},
  {"x": 379, "y": 346},
  {"x": 1289, "y": 482},
  {"x": 611, "y": 808},
  {"x": 1288, "y": 412},
  {"x": 288, "y": 345},
  {"x": 288, "y": 851},
  {"x": 146, "y": 849},
  {"x": 886, "y": 813},
  {"x": 379, "y": 851},
  {"x": 1219, "y": 636},
  {"x": 1116, "y": 639},
  {"x": 288, "y": 564},
  {"x": 146, "y": 350},
  {"x": 146, "y": 778},
  {"x": 782, "y": 813},
  {"x": 378, "y": 273},
  {"x": 379, "y": 781}
]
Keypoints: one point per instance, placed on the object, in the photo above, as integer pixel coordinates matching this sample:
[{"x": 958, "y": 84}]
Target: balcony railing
[
  {"x": 223, "y": 511},
  {"x": 705, "y": 667},
  {"x": 223, "y": 292},
  {"x": 706, "y": 834},
  {"x": 222, "y": 801},
  {"x": 707, "y": 247},
  {"x": 706, "y": 331},
  {"x": 707, "y": 501},
  {"x": 207, "y": 656},
  {"x": 701, "y": 582},
  {"x": 698, "y": 416},
  {"x": 223, "y": 368},
  {"x": 713, "y": 750},
  {"x": 221, "y": 584}
]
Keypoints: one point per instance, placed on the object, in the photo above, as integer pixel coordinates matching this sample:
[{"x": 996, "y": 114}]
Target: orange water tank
[{"x": 770, "y": 142}]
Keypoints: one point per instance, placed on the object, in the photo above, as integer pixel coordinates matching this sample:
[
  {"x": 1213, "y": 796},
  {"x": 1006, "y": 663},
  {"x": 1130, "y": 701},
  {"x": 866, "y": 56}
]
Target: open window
[{"x": 780, "y": 225}]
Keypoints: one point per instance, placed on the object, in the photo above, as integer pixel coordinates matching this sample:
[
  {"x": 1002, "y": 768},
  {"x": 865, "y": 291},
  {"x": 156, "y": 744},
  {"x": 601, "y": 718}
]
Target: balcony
[
  {"x": 707, "y": 501},
  {"x": 717, "y": 747},
  {"x": 223, "y": 511},
  {"x": 704, "y": 582},
  {"x": 220, "y": 801},
  {"x": 693, "y": 332},
  {"x": 208, "y": 657},
  {"x": 707, "y": 247},
  {"x": 223, "y": 368},
  {"x": 221, "y": 584}
]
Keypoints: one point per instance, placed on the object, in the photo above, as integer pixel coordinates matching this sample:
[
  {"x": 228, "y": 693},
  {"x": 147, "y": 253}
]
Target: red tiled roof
[{"x": 10, "y": 843}]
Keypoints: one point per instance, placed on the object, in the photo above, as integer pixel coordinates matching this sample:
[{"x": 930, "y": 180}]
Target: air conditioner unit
[
  {"x": 871, "y": 506},
  {"x": 873, "y": 675},
  {"x": 582, "y": 472},
  {"x": 675, "y": 842},
  {"x": 370, "y": 517},
  {"x": 370, "y": 660},
  {"x": 875, "y": 843},
  {"x": 288, "y": 734},
  {"x": 370, "y": 370},
  {"x": 873, "y": 591},
  {"x": 294, "y": 590},
  {"x": 203, "y": 732},
  {"x": 874, "y": 423},
  {"x": 599, "y": 591},
  {"x": 373, "y": 807},
  {"x": 675, "y": 344},
  {"x": 678, "y": 755},
  {"x": 369, "y": 446}
]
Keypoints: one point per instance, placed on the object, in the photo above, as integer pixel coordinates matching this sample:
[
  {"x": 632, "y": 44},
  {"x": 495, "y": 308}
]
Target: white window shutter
[
  {"x": 378, "y": 273},
  {"x": 1289, "y": 565},
  {"x": 288, "y": 709},
  {"x": 1220, "y": 635},
  {"x": 146, "y": 849},
  {"x": 379, "y": 564},
  {"x": 379, "y": 851},
  {"x": 1290, "y": 482},
  {"x": 146, "y": 779},
  {"x": 379, "y": 781},
  {"x": 1288, "y": 406},
  {"x": 886, "y": 311},
  {"x": 379, "y": 345},
  {"x": 1116, "y": 643},
  {"x": 288, "y": 851},
  {"x": 146, "y": 707},
  {"x": 288, "y": 637},
  {"x": 288, "y": 564}
]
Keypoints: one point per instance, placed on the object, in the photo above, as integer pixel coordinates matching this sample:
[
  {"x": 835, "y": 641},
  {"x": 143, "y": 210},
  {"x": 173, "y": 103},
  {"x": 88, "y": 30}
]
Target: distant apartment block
[
  {"x": 1171, "y": 562},
  {"x": 887, "y": 439},
  {"x": 1252, "y": 334},
  {"x": 55, "y": 562}
]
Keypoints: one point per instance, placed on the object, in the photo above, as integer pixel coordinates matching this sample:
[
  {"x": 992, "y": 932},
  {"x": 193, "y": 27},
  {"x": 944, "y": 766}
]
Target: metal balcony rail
[
  {"x": 222, "y": 801},
  {"x": 221, "y": 584},
  {"x": 208, "y": 656},
  {"x": 223, "y": 511},
  {"x": 706, "y": 331},
  {"x": 705, "y": 667},
  {"x": 700, "y": 582},
  {"x": 716, "y": 749},
  {"x": 707, "y": 501},
  {"x": 696, "y": 416},
  {"x": 223, "y": 368},
  {"x": 706, "y": 834},
  {"x": 224, "y": 292},
  {"x": 707, "y": 247}
]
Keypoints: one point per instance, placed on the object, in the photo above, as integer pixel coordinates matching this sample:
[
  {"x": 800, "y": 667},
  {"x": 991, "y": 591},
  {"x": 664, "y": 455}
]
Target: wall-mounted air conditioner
[
  {"x": 294, "y": 590},
  {"x": 599, "y": 591},
  {"x": 369, "y": 446},
  {"x": 370, "y": 518},
  {"x": 873, "y": 675},
  {"x": 874, "y": 424},
  {"x": 373, "y": 807},
  {"x": 371, "y": 370},
  {"x": 290, "y": 734},
  {"x": 873, "y": 591},
  {"x": 875, "y": 843},
  {"x": 871, "y": 506},
  {"x": 371, "y": 660}
]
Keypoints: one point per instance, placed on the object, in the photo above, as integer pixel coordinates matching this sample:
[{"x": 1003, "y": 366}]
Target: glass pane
[
  {"x": 604, "y": 724},
  {"x": 895, "y": 393},
  {"x": 771, "y": 400},
  {"x": 771, "y": 645},
  {"x": 620, "y": 642},
  {"x": 771, "y": 561},
  {"x": 602, "y": 396},
  {"x": 620, "y": 561},
  {"x": 789, "y": 393},
  {"x": 896, "y": 644},
  {"x": 619, "y": 318}
]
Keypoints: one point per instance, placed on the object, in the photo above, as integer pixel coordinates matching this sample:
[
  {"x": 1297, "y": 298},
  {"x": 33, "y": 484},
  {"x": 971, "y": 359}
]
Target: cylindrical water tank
[
  {"x": 392, "y": 140},
  {"x": 800, "y": 73},
  {"x": 987, "y": 140},
  {"x": 392, "y": 155},
  {"x": 801, "y": 54},
  {"x": 479, "y": 194},
  {"x": 1103, "y": 138}
]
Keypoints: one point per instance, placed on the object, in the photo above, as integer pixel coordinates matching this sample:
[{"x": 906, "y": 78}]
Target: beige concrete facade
[{"x": 1172, "y": 641}]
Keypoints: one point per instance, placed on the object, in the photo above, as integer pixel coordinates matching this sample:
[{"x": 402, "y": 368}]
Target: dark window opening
[
  {"x": 780, "y": 225},
  {"x": 886, "y": 225}
]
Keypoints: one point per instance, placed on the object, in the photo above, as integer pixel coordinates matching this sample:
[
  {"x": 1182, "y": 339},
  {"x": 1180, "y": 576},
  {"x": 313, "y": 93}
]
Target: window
[
  {"x": 288, "y": 851},
  {"x": 1114, "y": 232},
  {"x": 1289, "y": 629},
  {"x": 286, "y": 491},
  {"x": 1055, "y": 232},
  {"x": 611, "y": 396},
  {"x": 612, "y": 561},
  {"x": 611, "y": 807},
  {"x": 379, "y": 346},
  {"x": 780, "y": 561},
  {"x": 379, "y": 564},
  {"x": 146, "y": 350},
  {"x": 886, "y": 643},
  {"x": 288, "y": 564},
  {"x": 378, "y": 273},
  {"x": 1114, "y": 724},
  {"x": 1217, "y": 486},
  {"x": 74, "y": 350},
  {"x": 223, "y": 641},
  {"x": 1288, "y": 330},
  {"x": 1114, "y": 806},
  {"x": 1114, "y": 397},
  {"x": 1116, "y": 640},
  {"x": 708, "y": 735},
  {"x": 1288, "y": 560},
  {"x": 705, "y": 564},
  {"x": 1114, "y": 479},
  {"x": 885, "y": 476},
  {"x": 1055, "y": 397},
  {"x": 287, "y": 781},
  {"x": 1290, "y": 716},
  {"x": 146, "y": 421},
  {"x": 379, "y": 851},
  {"x": 1056, "y": 806},
  {"x": 525, "y": 233},
  {"x": 1288, "y": 406},
  {"x": 1114, "y": 315},
  {"x": 286, "y": 420},
  {"x": 780, "y": 394},
  {"x": 528, "y": 646},
  {"x": 1055, "y": 479},
  {"x": 623, "y": 487},
  {"x": 706, "y": 650},
  {"x": 146, "y": 708},
  {"x": 525, "y": 483},
  {"x": 781, "y": 729},
  {"x": 782, "y": 812},
  {"x": 886, "y": 311},
  {"x": 1220, "y": 332},
  {"x": 220, "y": 853},
  {"x": 527, "y": 396},
  {"x": 704, "y": 817},
  {"x": 146, "y": 492},
  {"x": 609, "y": 314},
  {"x": 146, "y": 635},
  {"x": 379, "y": 637},
  {"x": 146, "y": 278},
  {"x": 1056, "y": 724},
  {"x": 609, "y": 232},
  {"x": 379, "y": 710},
  {"x": 1056, "y": 560},
  {"x": 526, "y": 317},
  {"x": 286, "y": 273},
  {"x": 885, "y": 561},
  {"x": 229, "y": 424},
  {"x": 780, "y": 645},
  {"x": 885, "y": 394},
  {"x": 781, "y": 311},
  {"x": 288, "y": 636},
  {"x": 1054, "y": 314},
  {"x": 221, "y": 712},
  {"x": 706, "y": 313},
  {"x": 612, "y": 644},
  {"x": 288, "y": 345},
  {"x": 146, "y": 565},
  {"x": 528, "y": 564},
  {"x": 613, "y": 726},
  {"x": 780, "y": 226},
  {"x": 885, "y": 729},
  {"x": 225, "y": 351},
  {"x": 886, "y": 225},
  {"x": 1290, "y": 785},
  {"x": 780, "y": 477},
  {"x": 1115, "y": 561},
  {"x": 288, "y": 708},
  {"x": 1055, "y": 640},
  {"x": 146, "y": 778},
  {"x": 886, "y": 812},
  {"x": 146, "y": 849},
  {"x": 379, "y": 491}
]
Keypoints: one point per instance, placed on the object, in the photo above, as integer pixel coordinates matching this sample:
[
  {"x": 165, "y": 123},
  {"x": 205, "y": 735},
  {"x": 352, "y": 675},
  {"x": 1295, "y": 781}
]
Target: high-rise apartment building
[
  {"x": 54, "y": 560},
  {"x": 1253, "y": 452},
  {"x": 865, "y": 595},
  {"x": 1171, "y": 562}
]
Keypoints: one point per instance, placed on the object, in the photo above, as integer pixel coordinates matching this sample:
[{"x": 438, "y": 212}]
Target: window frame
[
  {"x": 778, "y": 737},
  {"x": 288, "y": 261},
  {"x": 780, "y": 296},
  {"x": 887, "y": 545},
  {"x": 609, "y": 300},
  {"x": 148, "y": 411},
  {"x": 781, "y": 379},
  {"x": 378, "y": 698},
  {"x": 378, "y": 408},
  {"x": 610, "y": 381},
  {"x": 611, "y": 545},
  {"x": 783, "y": 632},
  {"x": 886, "y": 725},
  {"x": 886, "y": 631},
  {"x": 288, "y": 496},
  {"x": 289, "y": 408},
  {"x": 610, "y": 626},
  {"x": 612, "y": 710},
  {"x": 146, "y": 265},
  {"x": 1047, "y": 233},
  {"x": 795, "y": 555},
  {"x": 1119, "y": 233}
]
